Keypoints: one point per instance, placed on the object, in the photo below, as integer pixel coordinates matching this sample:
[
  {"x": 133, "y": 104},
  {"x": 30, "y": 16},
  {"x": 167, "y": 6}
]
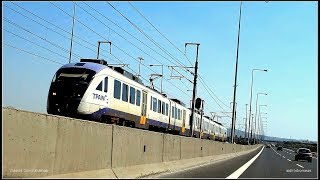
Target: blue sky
[{"x": 278, "y": 36}]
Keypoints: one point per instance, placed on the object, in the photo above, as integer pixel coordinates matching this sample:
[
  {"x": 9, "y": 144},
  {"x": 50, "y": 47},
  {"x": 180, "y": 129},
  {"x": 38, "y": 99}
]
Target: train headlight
[{"x": 54, "y": 93}]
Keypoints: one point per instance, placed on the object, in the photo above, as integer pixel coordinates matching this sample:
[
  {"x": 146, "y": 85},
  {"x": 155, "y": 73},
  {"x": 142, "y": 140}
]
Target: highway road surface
[{"x": 262, "y": 163}]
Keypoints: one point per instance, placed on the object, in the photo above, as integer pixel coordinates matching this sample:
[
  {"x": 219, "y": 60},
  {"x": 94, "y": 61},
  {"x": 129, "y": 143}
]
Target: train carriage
[{"x": 95, "y": 91}]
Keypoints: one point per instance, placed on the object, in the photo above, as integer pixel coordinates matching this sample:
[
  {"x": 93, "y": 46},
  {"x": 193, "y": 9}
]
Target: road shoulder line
[{"x": 244, "y": 167}]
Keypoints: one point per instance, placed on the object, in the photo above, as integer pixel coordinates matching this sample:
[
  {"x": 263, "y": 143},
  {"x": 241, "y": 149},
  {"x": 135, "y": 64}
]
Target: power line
[
  {"x": 113, "y": 43},
  {"x": 56, "y": 27},
  {"x": 212, "y": 92},
  {"x": 158, "y": 30},
  {"x": 38, "y": 36},
  {"x": 130, "y": 35},
  {"x": 31, "y": 53},
  {"x": 124, "y": 37},
  {"x": 155, "y": 43},
  {"x": 171, "y": 44},
  {"x": 51, "y": 30},
  {"x": 35, "y": 43}
]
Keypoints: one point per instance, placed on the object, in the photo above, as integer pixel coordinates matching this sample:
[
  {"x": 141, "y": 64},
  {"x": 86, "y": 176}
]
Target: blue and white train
[{"x": 92, "y": 90}]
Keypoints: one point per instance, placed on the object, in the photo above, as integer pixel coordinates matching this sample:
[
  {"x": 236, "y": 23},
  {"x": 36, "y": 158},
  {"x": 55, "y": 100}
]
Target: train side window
[
  {"x": 163, "y": 108},
  {"x": 167, "y": 109},
  {"x": 138, "y": 98},
  {"x": 151, "y": 103},
  {"x": 176, "y": 113},
  {"x": 159, "y": 106},
  {"x": 172, "y": 112},
  {"x": 125, "y": 92},
  {"x": 99, "y": 87},
  {"x": 106, "y": 84},
  {"x": 132, "y": 95},
  {"x": 117, "y": 89},
  {"x": 154, "y": 104}
]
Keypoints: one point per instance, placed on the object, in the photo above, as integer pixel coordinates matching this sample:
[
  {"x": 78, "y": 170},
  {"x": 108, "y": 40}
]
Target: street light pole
[
  {"x": 235, "y": 81},
  {"x": 245, "y": 124},
  {"x": 251, "y": 97},
  {"x": 194, "y": 86},
  {"x": 260, "y": 124},
  {"x": 251, "y": 128},
  {"x": 255, "y": 119}
]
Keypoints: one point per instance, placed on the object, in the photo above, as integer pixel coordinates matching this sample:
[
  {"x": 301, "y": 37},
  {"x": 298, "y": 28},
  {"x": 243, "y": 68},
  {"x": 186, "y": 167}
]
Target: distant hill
[{"x": 239, "y": 133}]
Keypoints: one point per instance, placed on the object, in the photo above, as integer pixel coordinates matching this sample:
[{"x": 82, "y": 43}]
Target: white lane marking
[
  {"x": 283, "y": 157},
  {"x": 288, "y": 159},
  {"x": 239, "y": 171},
  {"x": 288, "y": 149},
  {"x": 299, "y": 165}
]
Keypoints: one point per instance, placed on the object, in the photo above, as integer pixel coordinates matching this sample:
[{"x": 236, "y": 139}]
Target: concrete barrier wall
[
  {"x": 36, "y": 145},
  {"x": 190, "y": 147},
  {"x": 171, "y": 147},
  {"x": 134, "y": 146},
  {"x": 57, "y": 145}
]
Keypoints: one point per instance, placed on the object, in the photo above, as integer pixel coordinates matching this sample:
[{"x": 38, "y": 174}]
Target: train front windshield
[{"x": 67, "y": 89}]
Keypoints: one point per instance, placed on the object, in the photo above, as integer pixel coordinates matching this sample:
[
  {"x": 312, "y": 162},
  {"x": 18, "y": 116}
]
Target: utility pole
[
  {"x": 235, "y": 81},
  {"x": 251, "y": 127},
  {"x": 201, "y": 118},
  {"x": 74, "y": 13},
  {"x": 194, "y": 86},
  {"x": 245, "y": 124},
  {"x": 140, "y": 59}
]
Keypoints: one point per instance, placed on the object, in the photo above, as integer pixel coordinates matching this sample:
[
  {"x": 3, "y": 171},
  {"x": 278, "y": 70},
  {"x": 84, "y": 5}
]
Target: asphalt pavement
[
  {"x": 269, "y": 164},
  {"x": 280, "y": 164}
]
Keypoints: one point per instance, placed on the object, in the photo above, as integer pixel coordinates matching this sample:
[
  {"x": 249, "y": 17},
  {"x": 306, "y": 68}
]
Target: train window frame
[
  {"x": 105, "y": 85},
  {"x": 138, "y": 99},
  {"x": 132, "y": 97},
  {"x": 159, "y": 106},
  {"x": 154, "y": 104},
  {"x": 176, "y": 113},
  {"x": 99, "y": 87},
  {"x": 172, "y": 114},
  {"x": 151, "y": 98},
  {"x": 118, "y": 90},
  {"x": 167, "y": 109},
  {"x": 124, "y": 96},
  {"x": 163, "y": 105}
]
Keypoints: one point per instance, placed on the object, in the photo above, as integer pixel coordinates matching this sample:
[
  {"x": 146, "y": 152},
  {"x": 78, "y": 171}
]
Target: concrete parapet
[
  {"x": 129, "y": 150},
  {"x": 171, "y": 147},
  {"x": 190, "y": 147},
  {"x": 36, "y": 145}
]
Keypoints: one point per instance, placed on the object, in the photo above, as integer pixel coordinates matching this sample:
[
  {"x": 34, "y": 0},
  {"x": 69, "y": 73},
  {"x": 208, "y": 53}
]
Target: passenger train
[{"x": 91, "y": 89}]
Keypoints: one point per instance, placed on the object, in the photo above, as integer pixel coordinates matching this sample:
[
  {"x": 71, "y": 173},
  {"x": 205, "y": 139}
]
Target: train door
[
  {"x": 183, "y": 122},
  {"x": 143, "y": 117}
]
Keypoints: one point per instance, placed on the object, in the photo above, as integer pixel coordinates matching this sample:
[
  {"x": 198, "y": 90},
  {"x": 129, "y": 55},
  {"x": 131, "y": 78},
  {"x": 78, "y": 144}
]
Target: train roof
[
  {"x": 88, "y": 65},
  {"x": 97, "y": 65},
  {"x": 179, "y": 102}
]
